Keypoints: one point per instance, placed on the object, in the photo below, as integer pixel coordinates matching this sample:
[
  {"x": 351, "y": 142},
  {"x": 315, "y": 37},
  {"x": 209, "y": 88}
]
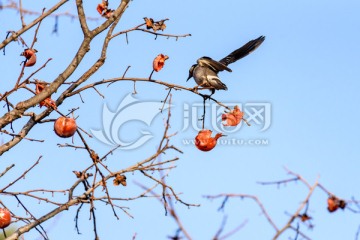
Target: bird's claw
[
  {"x": 195, "y": 89},
  {"x": 206, "y": 97}
]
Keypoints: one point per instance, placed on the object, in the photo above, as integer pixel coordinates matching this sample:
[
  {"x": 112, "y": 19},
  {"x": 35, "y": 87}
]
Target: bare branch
[
  {"x": 22, "y": 175},
  {"x": 257, "y": 201}
]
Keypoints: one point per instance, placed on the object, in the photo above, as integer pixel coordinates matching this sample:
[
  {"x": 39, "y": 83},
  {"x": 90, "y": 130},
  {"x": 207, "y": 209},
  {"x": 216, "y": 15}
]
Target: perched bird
[{"x": 206, "y": 70}]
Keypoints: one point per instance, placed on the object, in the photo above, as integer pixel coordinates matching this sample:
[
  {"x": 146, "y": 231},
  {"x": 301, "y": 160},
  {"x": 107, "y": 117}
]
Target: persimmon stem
[
  {"x": 151, "y": 74},
  {"x": 247, "y": 123}
]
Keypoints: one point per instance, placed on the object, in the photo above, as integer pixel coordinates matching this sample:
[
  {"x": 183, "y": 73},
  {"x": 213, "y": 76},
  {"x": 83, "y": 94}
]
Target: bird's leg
[
  {"x": 212, "y": 92},
  {"x": 206, "y": 97}
]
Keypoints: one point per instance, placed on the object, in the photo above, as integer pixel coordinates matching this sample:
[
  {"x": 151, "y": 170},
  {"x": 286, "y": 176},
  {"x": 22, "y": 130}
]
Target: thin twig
[
  {"x": 255, "y": 198},
  {"x": 6, "y": 170},
  {"x": 21, "y": 14},
  {"x": 22, "y": 175}
]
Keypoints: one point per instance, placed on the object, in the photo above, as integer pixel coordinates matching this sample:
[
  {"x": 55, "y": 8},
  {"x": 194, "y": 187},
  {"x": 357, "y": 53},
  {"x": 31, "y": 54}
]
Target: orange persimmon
[
  {"x": 30, "y": 56},
  {"x": 233, "y": 118},
  {"x": 5, "y": 218},
  {"x": 159, "y": 62},
  {"x": 65, "y": 127},
  {"x": 204, "y": 141}
]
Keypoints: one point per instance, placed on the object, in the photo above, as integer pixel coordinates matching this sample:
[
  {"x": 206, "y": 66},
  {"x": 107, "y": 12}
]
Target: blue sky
[{"x": 307, "y": 70}]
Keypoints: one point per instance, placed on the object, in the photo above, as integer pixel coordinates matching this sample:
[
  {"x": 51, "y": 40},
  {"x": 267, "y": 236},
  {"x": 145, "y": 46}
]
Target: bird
[{"x": 205, "y": 71}]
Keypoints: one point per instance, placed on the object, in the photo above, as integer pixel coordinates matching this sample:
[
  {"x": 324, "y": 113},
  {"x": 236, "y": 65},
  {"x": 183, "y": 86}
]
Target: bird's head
[{"x": 191, "y": 70}]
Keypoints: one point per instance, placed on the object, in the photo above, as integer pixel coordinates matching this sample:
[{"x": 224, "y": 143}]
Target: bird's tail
[{"x": 243, "y": 51}]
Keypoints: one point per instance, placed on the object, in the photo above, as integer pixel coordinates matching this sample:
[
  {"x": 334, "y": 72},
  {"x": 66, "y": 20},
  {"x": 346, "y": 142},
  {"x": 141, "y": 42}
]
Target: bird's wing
[
  {"x": 243, "y": 51},
  {"x": 215, "y": 82},
  {"x": 212, "y": 64}
]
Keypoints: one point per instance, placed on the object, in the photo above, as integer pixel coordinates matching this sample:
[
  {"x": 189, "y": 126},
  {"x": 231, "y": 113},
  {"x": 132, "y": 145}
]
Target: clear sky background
[{"x": 307, "y": 69}]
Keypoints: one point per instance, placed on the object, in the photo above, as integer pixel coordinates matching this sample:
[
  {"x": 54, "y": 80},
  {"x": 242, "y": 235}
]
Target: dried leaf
[
  {"x": 80, "y": 174},
  {"x": 119, "y": 179},
  {"x": 304, "y": 217},
  {"x": 342, "y": 204},
  {"x": 39, "y": 87},
  {"x": 160, "y": 25},
  {"x": 155, "y": 26},
  {"x": 48, "y": 102},
  {"x": 77, "y": 174},
  {"x": 149, "y": 22},
  {"x": 103, "y": 183},
  {"x": 108, "y": 13},
  {"x": 94, "y": 156},
  {"x": 103, "y": 9}
]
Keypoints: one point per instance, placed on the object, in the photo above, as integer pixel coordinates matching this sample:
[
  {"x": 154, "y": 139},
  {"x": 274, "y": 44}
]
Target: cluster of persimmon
[
  {"x": 103, "y": 9},
  {"x": 5, "y": 218},
  {"x": 30, "y": 55},
  {"x": 204, "y": 141}
]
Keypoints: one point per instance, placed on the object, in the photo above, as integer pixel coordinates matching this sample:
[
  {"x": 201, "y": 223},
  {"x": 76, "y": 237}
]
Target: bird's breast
[{"x": 202, "y": 76}]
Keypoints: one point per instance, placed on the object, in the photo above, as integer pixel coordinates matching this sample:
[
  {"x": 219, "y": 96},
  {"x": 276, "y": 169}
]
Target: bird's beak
[{"x": 191, "y": 70}]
